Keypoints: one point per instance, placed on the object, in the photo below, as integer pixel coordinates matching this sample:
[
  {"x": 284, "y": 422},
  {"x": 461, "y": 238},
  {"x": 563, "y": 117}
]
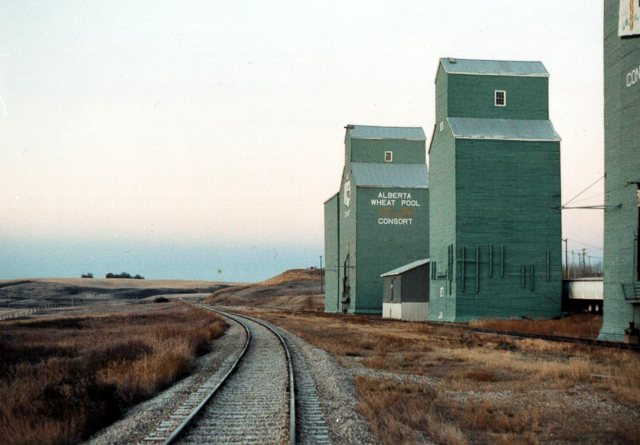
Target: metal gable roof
[
  {"x": 494, "y": 67},
  {"x": 405, "y": 268},
  {"x": 504, "y": 129},
  {"x": 370, "y": 132},
  {"x": 390, "y": 175}
]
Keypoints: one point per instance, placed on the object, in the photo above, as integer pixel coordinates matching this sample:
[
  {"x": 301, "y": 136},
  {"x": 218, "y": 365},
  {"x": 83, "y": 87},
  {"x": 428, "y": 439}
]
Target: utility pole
[
  {"x": 321, "y": 277},
  {"x": 566, "y": 257},
  {"x": 584, "y": 261},
  {"x": 573, "y": 262}
]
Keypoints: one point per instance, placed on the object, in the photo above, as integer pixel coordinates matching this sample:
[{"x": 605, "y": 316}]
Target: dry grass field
[
  {"x": 417, "y": 380},
  {"x": 581, "y": 326},
  {"x": 297, "y": 289},
  {"x": 33, "y": 292},
  {"x": 62, "y": 379}
]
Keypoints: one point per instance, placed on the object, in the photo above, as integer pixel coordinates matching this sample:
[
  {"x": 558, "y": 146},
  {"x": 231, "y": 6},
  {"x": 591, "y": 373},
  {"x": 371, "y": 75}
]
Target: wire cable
[{"x": 598, "y": 180}]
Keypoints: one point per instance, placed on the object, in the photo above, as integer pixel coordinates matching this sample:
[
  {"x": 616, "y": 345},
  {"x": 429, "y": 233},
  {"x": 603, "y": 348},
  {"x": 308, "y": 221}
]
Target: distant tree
[
  {"x": 89, "y": 275},
  {"x": 110, "y": 275},
  {"x": 138, "y": 277}
]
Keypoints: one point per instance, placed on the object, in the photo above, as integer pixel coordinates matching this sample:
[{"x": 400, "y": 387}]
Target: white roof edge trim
[
  {"x": 388, "y": 139},
  {"x": 497, "y": 74},
  {"x": 413, "y": 187},
  {"x": 333, "y": 197},
  {"x": 403, "y": 269},
  {"x": 508, "y": 139}
]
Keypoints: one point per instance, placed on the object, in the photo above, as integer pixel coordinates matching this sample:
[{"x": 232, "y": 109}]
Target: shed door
[{"x": 393, "y": 287}]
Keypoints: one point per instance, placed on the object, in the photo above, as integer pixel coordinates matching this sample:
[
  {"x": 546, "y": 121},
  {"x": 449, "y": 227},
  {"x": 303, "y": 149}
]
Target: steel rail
[
  {"x": 515, "y": 334},
  {"x": 292, "y": 392},
  {"x": 551, "y": 338},
  {"x": 186, "y": 422}
]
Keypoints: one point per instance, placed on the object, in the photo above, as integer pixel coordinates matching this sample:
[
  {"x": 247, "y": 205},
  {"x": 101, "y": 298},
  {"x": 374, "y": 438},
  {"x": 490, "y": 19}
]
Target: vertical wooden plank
[
  {"x": 477, "y": 269},
  {"x": 548, "y": 265},
  {"x": 491, "y": 260},
  {"x": 531, "y": 278},
  {"x": 463, "y": 260}
]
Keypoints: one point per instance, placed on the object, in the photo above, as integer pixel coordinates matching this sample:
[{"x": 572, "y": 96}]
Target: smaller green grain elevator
[
  {"x": 494, "y": 160},
  {"x": 379, "y": 220}
]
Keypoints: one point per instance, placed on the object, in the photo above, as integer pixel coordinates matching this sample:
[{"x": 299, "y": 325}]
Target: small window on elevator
[
  {"x": 501, "y": 98},
  {"x": 388, "y": 156}
]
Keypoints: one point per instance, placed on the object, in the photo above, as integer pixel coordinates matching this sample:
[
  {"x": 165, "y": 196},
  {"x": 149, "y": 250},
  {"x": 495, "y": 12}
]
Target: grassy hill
[{"x": 298, "y": 289}]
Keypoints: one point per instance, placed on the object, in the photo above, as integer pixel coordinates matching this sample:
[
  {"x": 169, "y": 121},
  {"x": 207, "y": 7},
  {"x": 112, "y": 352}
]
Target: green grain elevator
[
  {"x": 495, "y": 228},
  {"x": 622, "y": 167},
  {"x": 379, "y": 220}
]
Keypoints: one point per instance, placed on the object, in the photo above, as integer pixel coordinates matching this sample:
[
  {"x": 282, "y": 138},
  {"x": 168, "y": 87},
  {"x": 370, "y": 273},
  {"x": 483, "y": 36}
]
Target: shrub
[
  {"x": 161, "y": 300},
  {"x": 89, "y": 275}
]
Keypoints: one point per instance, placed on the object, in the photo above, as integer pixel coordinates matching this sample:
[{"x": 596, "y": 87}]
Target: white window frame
[
  {"x": 390, "y": 155},
  {"x": 495, "y": 98}
]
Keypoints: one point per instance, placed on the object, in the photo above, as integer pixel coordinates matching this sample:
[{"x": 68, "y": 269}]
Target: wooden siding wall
[
  {"x": 622, "y": 164},
  {"x": 372, "y": 150},
  {"x": 415, "y": 285},
  {"x": 348, "y": 248},
  {"x": 331, "y": 255},
  {"x": 488, "y": 197},
  {"x": 473, "y": 96},
  {"x": 442, "y": 225},
  {"x": 505, "y": 222},
  {"x": 384, "y": 247}
]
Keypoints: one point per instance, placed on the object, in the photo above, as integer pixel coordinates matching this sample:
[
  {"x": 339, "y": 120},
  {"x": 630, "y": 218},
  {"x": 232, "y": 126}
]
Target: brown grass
[
  {"x": 400, "y": 413},
  {"x": 62, "y": 379},
  {"x": 297, "y": 289},
  {"x": 580, "y": 326},
  {"x": 486, "y": 388}
]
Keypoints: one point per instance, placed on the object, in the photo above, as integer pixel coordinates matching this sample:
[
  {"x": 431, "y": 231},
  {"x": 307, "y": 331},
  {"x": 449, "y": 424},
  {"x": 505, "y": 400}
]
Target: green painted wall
[
  {"x": 442, "y": 96},
  {"x": 372, "y": 150},
  {"x": 509, "y": 204},
  {"x": 331, "y": 252},
  {"x": 442, "y": 225},
  {"x": 348, "y": 247},
  {"x": 622, "y": 165},
  {"x": 493, "y": 196},
  {"x": 357, "y": 238},
  {"x": 383, "y": 247},
  {"x": 473, "y": 96}
]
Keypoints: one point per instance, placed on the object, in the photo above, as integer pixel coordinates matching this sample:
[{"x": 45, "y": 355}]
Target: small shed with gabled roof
[{"x": 406, "y": 292}]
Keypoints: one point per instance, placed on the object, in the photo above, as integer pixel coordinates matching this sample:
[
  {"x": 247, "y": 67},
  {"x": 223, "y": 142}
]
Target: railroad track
[
  {"x": 514, "y": 334},
  {"x": 251, "y": 398},
  {"x": 552, "y": 338}
]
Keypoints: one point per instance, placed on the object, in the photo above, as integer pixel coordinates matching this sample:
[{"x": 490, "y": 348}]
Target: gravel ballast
[{"x": 142, "y": 419}]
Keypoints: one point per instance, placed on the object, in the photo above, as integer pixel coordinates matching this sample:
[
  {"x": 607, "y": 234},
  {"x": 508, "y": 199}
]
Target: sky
[{"x": 199, "y": 139}]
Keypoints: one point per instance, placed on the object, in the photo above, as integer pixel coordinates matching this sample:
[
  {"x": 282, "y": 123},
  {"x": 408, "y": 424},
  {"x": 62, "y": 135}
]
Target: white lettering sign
[
  {"x": 396, "y": 221},
  {"x": 347, "y": 193},
  {"x": 633, "y": 76},
  {"x": 395, "y": 208},
  {"x": 629, "y": 19}
]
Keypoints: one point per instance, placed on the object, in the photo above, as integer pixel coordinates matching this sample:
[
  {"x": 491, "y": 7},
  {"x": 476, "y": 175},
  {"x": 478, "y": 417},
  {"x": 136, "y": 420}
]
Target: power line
[
  {"x": 585, "y": 244},
  {"x": 598, "y": 180}
]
